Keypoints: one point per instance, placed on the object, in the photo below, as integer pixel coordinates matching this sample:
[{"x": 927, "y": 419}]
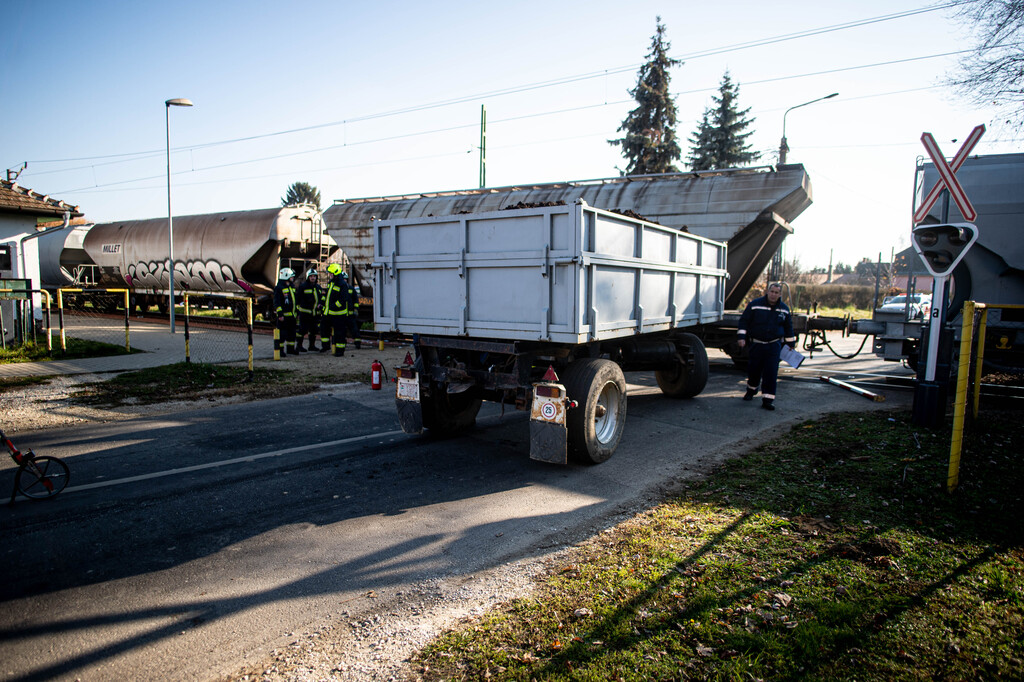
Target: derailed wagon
[{"x": 544, "y": 309}]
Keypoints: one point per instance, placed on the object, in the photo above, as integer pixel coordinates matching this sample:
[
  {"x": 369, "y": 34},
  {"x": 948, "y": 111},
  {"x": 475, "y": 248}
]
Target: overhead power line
[{"x": 514, "y": 89}]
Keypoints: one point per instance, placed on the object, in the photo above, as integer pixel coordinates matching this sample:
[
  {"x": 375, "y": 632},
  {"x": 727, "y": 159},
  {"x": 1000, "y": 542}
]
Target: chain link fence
[
  {"x": 218, "y": 328},
  {"x": 93, "y": 315},
  {"x": 21, "y": 321}
]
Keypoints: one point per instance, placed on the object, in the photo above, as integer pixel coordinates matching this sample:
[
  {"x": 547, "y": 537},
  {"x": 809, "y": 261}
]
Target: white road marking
[{"x": 229, "y": 462}]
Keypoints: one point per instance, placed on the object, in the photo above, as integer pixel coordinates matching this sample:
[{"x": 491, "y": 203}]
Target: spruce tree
[
  {"x": 720, "y": 140},
  {"x": 301, "y": 193},
  {"x": 649, "y": 143}
]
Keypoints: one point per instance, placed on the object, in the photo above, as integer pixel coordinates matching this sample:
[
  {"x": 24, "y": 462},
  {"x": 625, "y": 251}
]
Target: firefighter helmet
[
  {"x": 285, "y": 273},
  {"x": 312, "y": 273},
  {"x": 334, "y": 269}
]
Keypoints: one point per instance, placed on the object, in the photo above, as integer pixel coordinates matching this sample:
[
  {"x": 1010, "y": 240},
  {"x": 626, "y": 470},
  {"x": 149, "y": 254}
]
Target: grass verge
[
  {"x": 16, "y": 383},
  {"x": 833, "y": 552},
  {"x": 76, "y": 349},
  {"x": 197, "y": 381}
]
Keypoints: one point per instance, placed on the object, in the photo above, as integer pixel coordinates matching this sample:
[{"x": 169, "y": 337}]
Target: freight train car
[{"x": 237, "y": 252}]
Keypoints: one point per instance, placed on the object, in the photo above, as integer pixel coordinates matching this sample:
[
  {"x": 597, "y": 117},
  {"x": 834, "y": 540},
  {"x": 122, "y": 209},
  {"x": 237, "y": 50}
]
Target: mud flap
[
  {"x": 548, "y": 442},
  {"x": 410, "y": 416},
  {"x": 407, "y": 400},
  {"x": 548, "y": 435}
]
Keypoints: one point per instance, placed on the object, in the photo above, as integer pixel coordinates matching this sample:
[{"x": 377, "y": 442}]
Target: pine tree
[
  {"x": 720, "y": 140},
  {"x": 650, "y": 144},
  {"x": 301, "y": 193}
]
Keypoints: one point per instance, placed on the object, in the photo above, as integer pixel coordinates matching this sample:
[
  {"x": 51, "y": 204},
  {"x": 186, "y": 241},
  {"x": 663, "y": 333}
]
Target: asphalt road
[{"x": 189, "y": 544}]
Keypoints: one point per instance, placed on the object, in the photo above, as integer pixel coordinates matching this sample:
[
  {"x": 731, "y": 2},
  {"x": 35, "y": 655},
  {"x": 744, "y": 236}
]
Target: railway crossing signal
[{"x": 947, "y": 176}]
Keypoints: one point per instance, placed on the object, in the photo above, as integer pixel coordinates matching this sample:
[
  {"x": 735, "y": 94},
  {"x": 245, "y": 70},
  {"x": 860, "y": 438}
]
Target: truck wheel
[
  {"x": 595, "y": 427},
  {"x": 447, "y": 413},
  {"x": 680, "y": 380}
]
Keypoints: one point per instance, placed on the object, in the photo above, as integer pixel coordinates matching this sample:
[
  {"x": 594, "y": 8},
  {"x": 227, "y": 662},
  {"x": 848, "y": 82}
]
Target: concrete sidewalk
[{"x": 158, "y": 347}]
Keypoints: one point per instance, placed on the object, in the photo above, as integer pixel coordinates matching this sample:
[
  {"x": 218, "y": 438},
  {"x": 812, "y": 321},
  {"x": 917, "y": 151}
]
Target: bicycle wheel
[{"x": 42, "y": 477}]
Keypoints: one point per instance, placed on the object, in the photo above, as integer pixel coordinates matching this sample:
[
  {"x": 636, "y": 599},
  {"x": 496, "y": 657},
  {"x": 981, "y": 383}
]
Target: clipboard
[{"x": 793, "y": 358}]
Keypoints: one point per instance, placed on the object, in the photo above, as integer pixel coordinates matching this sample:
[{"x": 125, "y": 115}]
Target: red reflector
[
  {"x": 550, "y": 375},
  {"x": 548, "y": 391},
  {"x": 406, "y": 373},
  {"x": 408, "y": 358}
]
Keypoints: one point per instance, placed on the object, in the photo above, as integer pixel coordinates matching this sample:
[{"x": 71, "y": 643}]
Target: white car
[{"x": 920, "y": 305}]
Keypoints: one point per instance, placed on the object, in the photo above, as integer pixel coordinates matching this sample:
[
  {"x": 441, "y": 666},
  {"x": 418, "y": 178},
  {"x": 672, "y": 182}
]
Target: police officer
[
  {"x": 284, "y": 306},
  {"x": 766, "y": 324},
  {"x": 336, "y": 309},
  {"x": 310, "y": 298},
  {"x": 353, "y": 311}
]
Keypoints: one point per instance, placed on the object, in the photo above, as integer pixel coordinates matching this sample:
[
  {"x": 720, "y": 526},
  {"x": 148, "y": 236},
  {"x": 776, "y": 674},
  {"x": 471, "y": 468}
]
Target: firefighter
[
  {"x": 353, "y": 311},
  {"x": 336, "y": 307},
  {"x": 284, "y": 306},
  {"x": 310, "y": 299}
]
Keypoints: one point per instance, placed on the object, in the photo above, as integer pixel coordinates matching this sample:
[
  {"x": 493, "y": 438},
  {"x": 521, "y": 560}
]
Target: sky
[{"x": 383, "y": 98}]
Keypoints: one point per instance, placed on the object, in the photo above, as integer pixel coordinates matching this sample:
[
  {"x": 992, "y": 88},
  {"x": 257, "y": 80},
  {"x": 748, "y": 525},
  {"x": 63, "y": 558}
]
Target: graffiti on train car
[{"x": 210, "y": 275}]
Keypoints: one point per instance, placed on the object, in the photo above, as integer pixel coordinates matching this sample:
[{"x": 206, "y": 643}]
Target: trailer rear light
[
  {"x": 404, "y": 373},
  {"x": 548, "y": 391}
]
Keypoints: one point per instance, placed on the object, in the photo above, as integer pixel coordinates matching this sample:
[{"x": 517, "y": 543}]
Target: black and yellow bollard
[{"x": 277, "y": 343}]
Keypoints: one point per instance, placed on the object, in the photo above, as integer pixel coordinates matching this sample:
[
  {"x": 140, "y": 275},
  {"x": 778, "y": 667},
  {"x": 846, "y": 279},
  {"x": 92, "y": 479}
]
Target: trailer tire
[
  {"x": 595, "y": 426},
  {"x": 448, "y": 413},
  {"x": 680, "y": 380}
]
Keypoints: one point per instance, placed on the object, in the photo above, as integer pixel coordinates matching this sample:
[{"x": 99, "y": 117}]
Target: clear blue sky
[{"x": 84, "y": 84}]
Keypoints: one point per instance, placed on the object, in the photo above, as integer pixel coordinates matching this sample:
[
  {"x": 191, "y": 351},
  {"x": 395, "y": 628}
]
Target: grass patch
[
  {"x": 15, "y": 383},
  {"x": 198, "y": 381},
  {"x": 833, "y": 552},
  {"x": 76, "y": 350}
]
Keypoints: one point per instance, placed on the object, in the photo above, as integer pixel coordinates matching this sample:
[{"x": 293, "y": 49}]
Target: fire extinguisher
[{"x": 376, "y": 369}]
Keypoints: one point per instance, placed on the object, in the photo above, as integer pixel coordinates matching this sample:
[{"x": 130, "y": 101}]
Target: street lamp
[
  {"x": 783, "y": 147},
  {"x": 170, "y": 221}
]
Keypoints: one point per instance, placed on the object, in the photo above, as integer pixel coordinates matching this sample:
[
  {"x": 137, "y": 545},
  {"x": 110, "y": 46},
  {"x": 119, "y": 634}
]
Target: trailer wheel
[
  {"x": 680, "y": 380},
  {"x": 595, "y": 427},
  {"x": 447, "y": 413}
]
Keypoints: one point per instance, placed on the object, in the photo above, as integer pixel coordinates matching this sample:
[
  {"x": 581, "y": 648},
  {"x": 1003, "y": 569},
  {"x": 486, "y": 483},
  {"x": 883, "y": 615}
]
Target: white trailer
[{"x": 502, "y": 303}]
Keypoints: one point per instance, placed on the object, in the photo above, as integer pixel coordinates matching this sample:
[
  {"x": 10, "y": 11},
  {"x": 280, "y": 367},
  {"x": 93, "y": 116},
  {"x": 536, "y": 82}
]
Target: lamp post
[
  {"x": 170, "y": 221},
  {"x": 783, "y": 147}
]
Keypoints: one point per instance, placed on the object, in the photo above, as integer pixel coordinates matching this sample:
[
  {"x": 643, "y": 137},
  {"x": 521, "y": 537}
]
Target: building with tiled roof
[
  {"x": 21, "y": 211},
  {"x": 18, "y": 200}
]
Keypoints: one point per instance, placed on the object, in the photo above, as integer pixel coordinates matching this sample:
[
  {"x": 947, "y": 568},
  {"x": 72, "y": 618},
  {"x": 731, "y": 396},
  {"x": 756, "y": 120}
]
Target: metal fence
[
  {"x": 18, "y": 313},
  {"x": 99, "y": 315},
  {"x": 218, "y": 328},
  {"x": 972, "y": 337}
]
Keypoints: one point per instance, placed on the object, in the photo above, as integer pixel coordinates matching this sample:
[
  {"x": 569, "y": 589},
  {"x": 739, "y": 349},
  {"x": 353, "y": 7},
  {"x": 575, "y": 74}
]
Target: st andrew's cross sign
[{"x": 947, "y": 176}]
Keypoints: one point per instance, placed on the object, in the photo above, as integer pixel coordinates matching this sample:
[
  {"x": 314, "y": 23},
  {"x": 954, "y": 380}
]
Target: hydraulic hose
[{"x": 811, "y": 346}]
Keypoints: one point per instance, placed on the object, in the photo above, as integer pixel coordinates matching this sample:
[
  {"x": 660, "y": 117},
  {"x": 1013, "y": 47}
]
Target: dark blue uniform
[
  {"x": 765, "y": 327},
  {"x": 284, "y": 306}
]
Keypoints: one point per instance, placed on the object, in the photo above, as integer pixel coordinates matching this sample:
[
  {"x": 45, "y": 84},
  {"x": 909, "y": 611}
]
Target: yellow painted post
[
  {"x": 60, "y": 319},
  {"x": 248, "y": 318},
  {"x": 188, "y": 355},
  {"x": 960, "y": 404},
  {"x": 127, "y": 314},
  {"x": 49, "y": 330},
  {"x": 979, "y": 361}
]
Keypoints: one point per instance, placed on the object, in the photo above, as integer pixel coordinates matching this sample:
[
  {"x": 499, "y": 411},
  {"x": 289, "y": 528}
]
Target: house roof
[{"x": 17, "y": 199}]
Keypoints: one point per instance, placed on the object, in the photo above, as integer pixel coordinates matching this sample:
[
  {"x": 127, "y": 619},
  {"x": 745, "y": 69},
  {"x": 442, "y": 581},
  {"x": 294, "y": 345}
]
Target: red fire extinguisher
[{"x": 375, "y": 371}]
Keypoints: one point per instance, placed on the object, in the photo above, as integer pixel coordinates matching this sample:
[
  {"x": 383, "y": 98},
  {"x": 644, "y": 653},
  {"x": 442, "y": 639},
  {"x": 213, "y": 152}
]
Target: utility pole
[{"x": 483, "y": 146}]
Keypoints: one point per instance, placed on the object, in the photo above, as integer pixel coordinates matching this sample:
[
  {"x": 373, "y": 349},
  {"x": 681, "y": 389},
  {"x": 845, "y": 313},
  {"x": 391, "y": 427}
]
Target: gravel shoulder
[{"x": 51, "y": 405}]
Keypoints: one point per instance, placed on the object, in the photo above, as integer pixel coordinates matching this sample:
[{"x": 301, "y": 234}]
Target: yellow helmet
[{"x": 334, "y": 269}]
